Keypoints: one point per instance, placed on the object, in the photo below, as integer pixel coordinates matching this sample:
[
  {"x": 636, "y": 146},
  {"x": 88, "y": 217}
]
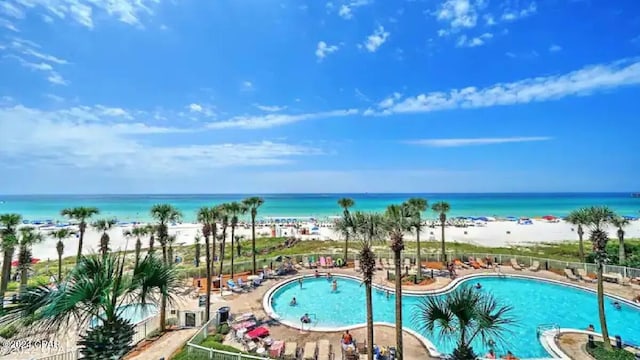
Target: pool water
[
  {"x": 534, "y": 303},
  {"x": 135, "y": 313}
]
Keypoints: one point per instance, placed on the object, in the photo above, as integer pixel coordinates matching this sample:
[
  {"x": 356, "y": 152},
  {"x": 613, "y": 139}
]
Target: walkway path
[{"x": 166, "y": 346}]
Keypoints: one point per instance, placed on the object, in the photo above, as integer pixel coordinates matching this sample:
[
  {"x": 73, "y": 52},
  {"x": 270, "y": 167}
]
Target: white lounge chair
[
  {"x": 535, "y": 266},
  {"x": 570, "y": 275},
  {"x": 324, "y": 350},
  {"x": 582, "y": 274},
  {"x": 310, "y": 351},
  {"x": 290, "y": 350},
  {"x": 515, "y": 265}
]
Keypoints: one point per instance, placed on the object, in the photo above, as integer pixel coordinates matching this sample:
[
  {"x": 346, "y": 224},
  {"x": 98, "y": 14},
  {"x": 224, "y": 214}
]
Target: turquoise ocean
[{"x": 136, "y": 207}]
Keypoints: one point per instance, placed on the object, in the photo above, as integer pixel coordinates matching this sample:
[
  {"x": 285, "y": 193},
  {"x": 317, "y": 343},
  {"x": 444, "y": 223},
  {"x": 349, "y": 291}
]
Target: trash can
[{"x": 222, "y": 315}]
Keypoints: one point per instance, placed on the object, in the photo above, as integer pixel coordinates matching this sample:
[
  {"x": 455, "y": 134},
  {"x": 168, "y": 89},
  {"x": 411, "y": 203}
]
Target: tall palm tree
[
  {"x": 579, "y": 218},
  {"x": 462, "y": 316},
  {"x": 442, "y": 208},
  {"x": 345, "y": 204},
  {"x": 620, "y": 223},
  {"x": 164, "y": 214},
  {"x": 151, "y": 230},
  {"x": 234, "y": 209},
  {"x": 216, "y": 215},
  {"x": 368, "y": 227},
  {"x": 171, "y": 240},
  {"x": 60, "y": 235},
  {"x": 197, "y": 251},
  {"x": 205, "y": 217},
  {"x": 29, "y": 236},
  {"x": 138, "y": 232},
  {"x": 418, "y": 206},
  {"x": 253, "y": 203},
  {"x": 104, "y": 225},
  {"x": 9, "y": 224},
  {"x": 597, "y": 218},
  {"x": 224, "y": 222},
  {"x": 74, "y": 301},
  {"x": 398, "y": 221},
  {"x": 81, "y": 214}
]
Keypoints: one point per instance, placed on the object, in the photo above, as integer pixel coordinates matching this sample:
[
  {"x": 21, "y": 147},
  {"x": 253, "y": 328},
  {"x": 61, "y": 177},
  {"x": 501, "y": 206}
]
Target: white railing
[
  {"x": 144, "y": 328},
  {"x": 69, "y": 355}
]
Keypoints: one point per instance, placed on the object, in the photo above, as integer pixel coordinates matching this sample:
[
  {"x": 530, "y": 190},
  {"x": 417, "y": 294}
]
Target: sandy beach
[{"x": 491, "y": 234}]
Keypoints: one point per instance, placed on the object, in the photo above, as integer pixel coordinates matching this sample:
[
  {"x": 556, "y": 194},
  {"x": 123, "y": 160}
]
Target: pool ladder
[{"x": 546, "y": 327}]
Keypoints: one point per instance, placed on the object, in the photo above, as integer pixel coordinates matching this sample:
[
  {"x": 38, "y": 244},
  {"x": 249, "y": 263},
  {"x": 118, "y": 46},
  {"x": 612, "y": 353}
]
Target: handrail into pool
[{"x": 547, "y": 338}]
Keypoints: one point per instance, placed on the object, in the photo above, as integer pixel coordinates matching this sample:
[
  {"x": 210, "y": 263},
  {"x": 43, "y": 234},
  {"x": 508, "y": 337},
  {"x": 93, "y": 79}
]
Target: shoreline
[{"x": 489, "y": 234}]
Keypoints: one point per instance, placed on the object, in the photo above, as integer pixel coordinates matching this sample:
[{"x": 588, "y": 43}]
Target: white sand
[{"x": 494, "y": 234}]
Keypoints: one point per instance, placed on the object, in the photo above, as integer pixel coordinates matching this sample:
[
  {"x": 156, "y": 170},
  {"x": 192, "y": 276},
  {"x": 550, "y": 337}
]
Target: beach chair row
[
  {"x": 309, "y": 262},
  {"x": 321, "y": 350}
]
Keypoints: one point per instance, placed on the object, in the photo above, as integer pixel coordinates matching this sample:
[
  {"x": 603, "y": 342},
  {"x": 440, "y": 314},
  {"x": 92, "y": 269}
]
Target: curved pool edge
[{"x": 547, "y": 338}]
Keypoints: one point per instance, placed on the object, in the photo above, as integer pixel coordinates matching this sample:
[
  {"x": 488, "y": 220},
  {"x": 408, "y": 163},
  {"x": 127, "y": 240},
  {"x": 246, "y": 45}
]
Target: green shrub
[
  {"x": 171, "y": 322},
  {"x": 212, "y": 343},
  {"x": 599, "y": 353},
  {"x": 8, "y": 331},
  {"x": 218, "y": 338},
  {"x": 184, "y": 355},
  {"x": 13, "y": 286},
  {"x": 223, "y": 329}
]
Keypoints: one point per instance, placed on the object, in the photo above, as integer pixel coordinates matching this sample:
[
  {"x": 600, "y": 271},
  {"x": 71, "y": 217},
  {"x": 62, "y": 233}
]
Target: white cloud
[
  {"x": 515, "y": 14},
  {"x": 11, "y": 10},
  {"x": 268, "y": 108},
  {"x": 460, "y": 13},
  {"x": 375, "y": 40},
  {"x": 87, "y": 137},
  {"x": 195, "y": 107},
  {"x": 346, "y": 10},
  {"x": 247, "y": 85},
  {"x": 464, "y": 41},
  {"x": 489, "y": 20},
  {"x": 389, "y": 101},
  {"x": 555, "y": 48},
  {"x": 322, "y": 50},
  {"x": 476, "y": 141},
  {"x": 8, "y": 25},
  {"x": 53, "y": 97},
  {"x": 83, "y": 12},
  {"x": 56, "y": 79},
  {"x": 581, "y": 82},
  {"x": 272, "y": 120},
  {"x": 206, "y": 110}
]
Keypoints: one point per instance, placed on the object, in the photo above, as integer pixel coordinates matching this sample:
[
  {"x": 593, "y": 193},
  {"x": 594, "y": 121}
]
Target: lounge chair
[
  {"x": 582, "y": 274},
  {"x": 329, "y": 262},
  {"x": 515, "y": 265},
  {"x": 474, "y": 264},
  {"x": 482, "y": 263},
  {"x": 242, "y": 284},
  {"x": 290, "y": 350},
  {"x": 459, "y": 264},
  {"x": 310, "y": 351},
  {"x": 232, "y": 285},
  {"x": 323, "y": 262},
  {"x": 324, "y": 350},
  {"x": 356, "y": 265},
  {"x": 535, "y": 266},
  {"x": 305, "y": 262},
  {"x": 570, "y": 275}
]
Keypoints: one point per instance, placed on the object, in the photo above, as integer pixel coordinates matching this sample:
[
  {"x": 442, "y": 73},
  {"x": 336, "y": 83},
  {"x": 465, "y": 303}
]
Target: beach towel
[
  {"x": 258, "y": 332},
  {"x": 323, "y": 262}
]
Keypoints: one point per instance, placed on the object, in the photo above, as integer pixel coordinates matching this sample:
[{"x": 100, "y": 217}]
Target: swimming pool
[
  {"x": 535, "y": 302},
  {"x": 136, "y": 313}
]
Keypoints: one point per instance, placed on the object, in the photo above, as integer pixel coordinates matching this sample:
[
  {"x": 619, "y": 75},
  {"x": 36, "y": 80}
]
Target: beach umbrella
[
  {"x": 549, "y": 217},
  {"x": 33, "y": 261}
]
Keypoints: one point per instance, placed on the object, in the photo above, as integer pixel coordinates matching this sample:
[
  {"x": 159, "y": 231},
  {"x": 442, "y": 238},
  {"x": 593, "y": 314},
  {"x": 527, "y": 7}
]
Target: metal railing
[
  {"x": 198, "y": 352},
  {"x": 69, "y": 355}
]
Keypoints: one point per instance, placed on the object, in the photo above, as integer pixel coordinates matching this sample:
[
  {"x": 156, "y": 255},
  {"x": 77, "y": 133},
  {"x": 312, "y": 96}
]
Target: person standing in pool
[
  {"x": 300, "y": 282},
  {"x": 293, "y": 302},
  {"x": 334, "y": 286}
]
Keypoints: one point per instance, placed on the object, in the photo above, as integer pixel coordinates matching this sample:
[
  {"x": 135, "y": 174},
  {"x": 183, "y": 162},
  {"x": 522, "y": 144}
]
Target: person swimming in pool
[
  {"x": 305, "y": 319},
  {"x": 478, "y": 286},
  {"x": 293, "y": 302},
  {"x": 334, "y": 285},
  {"x": 329, "y": 276},
  {"x": 617, "y": 305}
]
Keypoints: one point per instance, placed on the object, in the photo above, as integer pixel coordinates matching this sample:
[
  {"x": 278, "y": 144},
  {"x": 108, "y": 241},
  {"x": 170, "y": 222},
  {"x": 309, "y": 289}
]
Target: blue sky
[{"x": 139, "y": 96}]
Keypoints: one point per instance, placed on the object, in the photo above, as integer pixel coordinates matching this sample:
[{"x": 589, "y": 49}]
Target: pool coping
[{"x": 547, "y": 338}]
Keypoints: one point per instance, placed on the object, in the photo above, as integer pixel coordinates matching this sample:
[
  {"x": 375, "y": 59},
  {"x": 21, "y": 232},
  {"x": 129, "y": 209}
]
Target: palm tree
[
  {"x": 216, "y": 214},
  {"x": 234, "y": 209},
  {"x": 418, "y": 205},
  {"x": 462, "y": 316},
  {"x": 9, "y": 223},
  {"x": 205, "y": 217},
  {"x": 579, "y": 218},
  {"x": 253, "y": 203},
  {"x": 81, "y": 214},
  {"x": 620, "y": 223},
  {"x": 345, "y": 204},
  {"x": 224, "y": 219},
  {"x": 74, "y": 301},
  {"x": 60, "y": 235},
  {"x": 151, "y": 230},
  {"x": 442, "y": 208},
  {"x": 171, "y": 240},
  {"x": 28, "y": 237},
  {"x": 369, "y": 228},
  {"x": 197, "y": 251},
  {"x": 138, "y": 232},
  {"x": 397, "y": 221},
  {"x": 164, "y": 214},
  {"x": 597, "y": 218},
  {"x": 104, "y": 225}
]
